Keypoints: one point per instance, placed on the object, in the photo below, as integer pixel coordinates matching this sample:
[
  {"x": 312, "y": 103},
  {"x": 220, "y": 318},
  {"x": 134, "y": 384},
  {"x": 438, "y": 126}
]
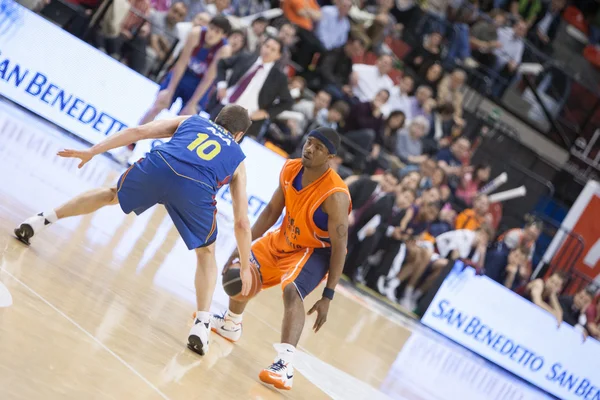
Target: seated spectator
[
  {"x": 242, "y": 80},
  {"x": 507, "y": 266},
  {"x": 335, "y": 68},
  {"x": 544, "y": 294},
  {"x": 332, "y": 116},
  {"x": 473, "y": 218},
  {"x": 450, "y": 91},
  {"x": 442, "y": 128},
  {"x": 400, "y": 97},
  {"x": 287, "y": 35},
  {"x": 383, "y": 154},
  {"x": 310, "y": 108},
  {"x": 417, "y": 103},
  {"x": 525, "y": 237},
  {"x": 409, "y": 146},
  {"x": 431, "y": 76},
  {"x": 473, "y": 182},
  {"x": 163, "y": 34},
  {"x": 428, "y": 52},
  {"x": 256, "y": 33},
  {"x": 574, "y": 309},
  {"x": 528, "y": 10},
  {"x": 384, "y": 24},
  {"x": 509, "y": 55},
  {"x": 450, "y": 159},
  {"x": 545, "y": 30},
  {"x": 370, "y": 79},
  {"x": 334, "y": 26},
  {"x": 365, "y": 121},
  {"x": 484, "y": 38},
  {"x": 194, "y": 7},
  {"x": 219, "y": 7},
  {"x": 304, "y": 14},
  {"x": 237, "y": 41},
  {"x": 593, "y": 318},
  {"x": 296, "y": 86}
]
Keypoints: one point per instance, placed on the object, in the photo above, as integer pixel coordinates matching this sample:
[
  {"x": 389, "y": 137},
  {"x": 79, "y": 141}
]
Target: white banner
[
  {"x": 65, "y": 80},
  {"x": 517, "y": 335}
]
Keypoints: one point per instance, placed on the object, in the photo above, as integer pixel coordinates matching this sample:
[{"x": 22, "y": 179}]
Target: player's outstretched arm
[
  {"x": 243, "y": 234},
  {"x": 336, "y": 207},
  {"x": 152, "y": 130}
]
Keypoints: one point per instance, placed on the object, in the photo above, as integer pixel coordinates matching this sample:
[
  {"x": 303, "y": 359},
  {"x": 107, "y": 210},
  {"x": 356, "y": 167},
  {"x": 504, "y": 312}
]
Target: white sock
[
  {"x": 285, "y": 352},
  {"x": 418, "y": 293},
  {"x": 50, "y": 216},
  {"x": 203, "y": 316},
  {"x": 236, "y": 318},
  {"x": 408, "y": 292}
]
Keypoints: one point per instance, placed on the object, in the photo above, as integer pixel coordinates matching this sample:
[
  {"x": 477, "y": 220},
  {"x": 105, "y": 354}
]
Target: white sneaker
[
  {"x": 225, "y": 327},
  {"x": 390, "y": 290},
  {"x": 279, "y": 374},
  {"x": 198, "y": 338},
  {"x": 30, "y": 227},
  {"x": 381, "y": 281}
]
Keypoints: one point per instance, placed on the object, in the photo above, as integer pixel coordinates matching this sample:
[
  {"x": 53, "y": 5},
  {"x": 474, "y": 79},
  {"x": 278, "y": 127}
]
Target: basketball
[{"x": 232, "y": 282}]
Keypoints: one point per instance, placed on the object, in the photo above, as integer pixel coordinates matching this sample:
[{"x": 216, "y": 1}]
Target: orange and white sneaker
[
  {"x": 280, "y": 374},
  {"x": 226, "y": 327}
]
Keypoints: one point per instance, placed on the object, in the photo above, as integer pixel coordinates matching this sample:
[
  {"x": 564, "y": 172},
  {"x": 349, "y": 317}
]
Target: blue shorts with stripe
[{"x": 190, "y": 204}]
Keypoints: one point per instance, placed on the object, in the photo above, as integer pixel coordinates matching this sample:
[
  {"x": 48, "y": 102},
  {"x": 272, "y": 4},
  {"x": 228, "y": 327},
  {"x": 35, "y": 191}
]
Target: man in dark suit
[{"x": 253, "y": 84}]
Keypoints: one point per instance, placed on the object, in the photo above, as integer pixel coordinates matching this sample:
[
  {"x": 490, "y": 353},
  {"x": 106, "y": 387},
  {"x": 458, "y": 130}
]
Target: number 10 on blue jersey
[{"x": 206, "y": 149}]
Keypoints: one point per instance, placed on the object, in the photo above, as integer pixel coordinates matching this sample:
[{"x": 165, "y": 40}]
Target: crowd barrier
[
  {"x": 66, "y": 81},
  {"x": 512, "y": 332}
]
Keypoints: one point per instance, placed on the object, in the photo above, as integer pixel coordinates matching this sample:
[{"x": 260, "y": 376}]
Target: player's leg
[
  {"x": 306, "y": 270},
  {"x": 229, "y": 324}
]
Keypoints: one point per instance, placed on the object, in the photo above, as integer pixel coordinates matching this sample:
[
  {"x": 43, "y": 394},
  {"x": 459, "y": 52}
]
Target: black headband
[{"x": 325, "y": 140}]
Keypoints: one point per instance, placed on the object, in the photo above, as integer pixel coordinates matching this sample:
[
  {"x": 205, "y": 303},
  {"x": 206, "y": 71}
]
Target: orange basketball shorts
[{"x": 305, "y": 268}]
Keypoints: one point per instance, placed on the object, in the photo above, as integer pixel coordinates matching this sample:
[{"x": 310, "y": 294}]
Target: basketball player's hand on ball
[
  {"x": 83, "y": 155},
  {"x": 246, "y": 275},
  {"x": 322, "y": 308}
]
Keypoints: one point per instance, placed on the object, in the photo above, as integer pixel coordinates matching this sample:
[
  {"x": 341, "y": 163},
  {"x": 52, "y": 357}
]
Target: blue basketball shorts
[
  {"x": 186, "y": 88},
  {"x": 190, "y": 203}
]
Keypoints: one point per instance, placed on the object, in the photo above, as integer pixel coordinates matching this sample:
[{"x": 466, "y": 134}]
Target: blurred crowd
[{"x": 299, "y": 64}]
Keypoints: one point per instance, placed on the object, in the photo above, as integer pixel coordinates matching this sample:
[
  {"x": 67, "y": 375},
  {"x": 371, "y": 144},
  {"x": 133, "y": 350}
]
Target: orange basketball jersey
[{"x": 298, "y": 230}]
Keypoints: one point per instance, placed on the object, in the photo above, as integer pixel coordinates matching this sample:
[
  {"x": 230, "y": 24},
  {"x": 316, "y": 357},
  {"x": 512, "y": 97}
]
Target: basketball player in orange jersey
[{"x": 310, "y": 244}]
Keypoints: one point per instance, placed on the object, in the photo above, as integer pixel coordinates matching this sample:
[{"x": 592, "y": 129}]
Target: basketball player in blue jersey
[
  {"x": 192, "y": 78},
  {"x": 184, "y": 175}
]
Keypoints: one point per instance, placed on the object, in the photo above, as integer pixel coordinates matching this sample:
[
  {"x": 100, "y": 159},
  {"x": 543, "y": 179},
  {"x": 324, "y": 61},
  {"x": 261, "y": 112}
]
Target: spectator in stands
[
  {"x": 400, "y": 97},
  {"x": 473, "y": 218},
  {"x": 335, "y": 68},
  {"x": 450, "y": 91},
  {"x": 370, "y": 79},
  {"x": 192, "y": 77},
  {"x": 237, "y": 41},
  {"x": 507, "y": 267},
  {"x": 409, "y": 146},
  {"x": 194, "y": 7},
  {"x": 163, "y": 32},
  {"x": 429, "y": 52},
  {"x": 593, "y": 318},
  {"x": 528, "y": 10},
  {"x": 245, "y": 8},
  {"x": 334, "y": 26},
  {"x": 417, "y": 103},
  {"x": 304, "y": 14},
  {"x": 450, "y": 159},
  {"x": 365, "y": 191},
  {"x": 574, "y": 309},
  {"x": 383, "y": 154},
  {"x": 256, "y": 33},
  {"x": 364, "y": 123},
  {"x": 331, "y": 117},
  {"x": 544, "y": 294},
  {"x": 545, "y": 30},
  {"x": 473, "y": 182},
  {"x": 287, "y": 35},
  {"x": 432, "y": 76},
  {"x": 219, "y": 7},
  {"x": 525, "y": 237},
  {"x": 310, "y": 108},
  {"x": 245, "y": 85},
  {"x": 483, "y": 38},
  {"x": 384, "y": 24},
  {"x": 509, "y": 55}
]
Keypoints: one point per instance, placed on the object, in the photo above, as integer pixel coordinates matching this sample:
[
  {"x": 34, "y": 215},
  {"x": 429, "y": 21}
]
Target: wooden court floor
[{"x": 99, "y": 307}]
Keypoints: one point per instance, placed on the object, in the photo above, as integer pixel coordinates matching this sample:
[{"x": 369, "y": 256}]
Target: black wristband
[{"x": 328, "y": 293}]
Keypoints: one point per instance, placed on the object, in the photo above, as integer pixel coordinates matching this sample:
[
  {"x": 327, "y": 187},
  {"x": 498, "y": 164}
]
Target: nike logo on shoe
[{"x": 289, "y": 376}]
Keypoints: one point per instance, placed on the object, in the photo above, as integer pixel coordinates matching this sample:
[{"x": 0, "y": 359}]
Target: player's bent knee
[
  {"x": 290, "y": 294},
  {"x": 112, "y": 196}
]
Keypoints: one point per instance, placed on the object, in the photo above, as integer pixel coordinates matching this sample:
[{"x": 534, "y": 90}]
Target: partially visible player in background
[
  {"x": 310, "y": 244},
  {"x": 184, "y": 175},
  {"x": 192, "y": 78}
]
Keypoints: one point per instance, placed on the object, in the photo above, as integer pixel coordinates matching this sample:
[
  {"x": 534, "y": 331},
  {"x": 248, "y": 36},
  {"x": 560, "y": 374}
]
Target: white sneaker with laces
[
  {"x": 30, "y": 227},
  {"x": 225, "y": 327},
  {"x": 390, "y": 290},
  {"x": 279, "y": 374},
  {"x": 198, "y": 338}
]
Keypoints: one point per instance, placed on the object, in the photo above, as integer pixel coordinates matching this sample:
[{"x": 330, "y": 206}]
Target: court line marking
[{"x": 88, "y": 334}]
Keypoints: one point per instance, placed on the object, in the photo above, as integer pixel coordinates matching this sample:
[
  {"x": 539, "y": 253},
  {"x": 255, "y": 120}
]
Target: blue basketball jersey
[{"x": 203, "y": 149}]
